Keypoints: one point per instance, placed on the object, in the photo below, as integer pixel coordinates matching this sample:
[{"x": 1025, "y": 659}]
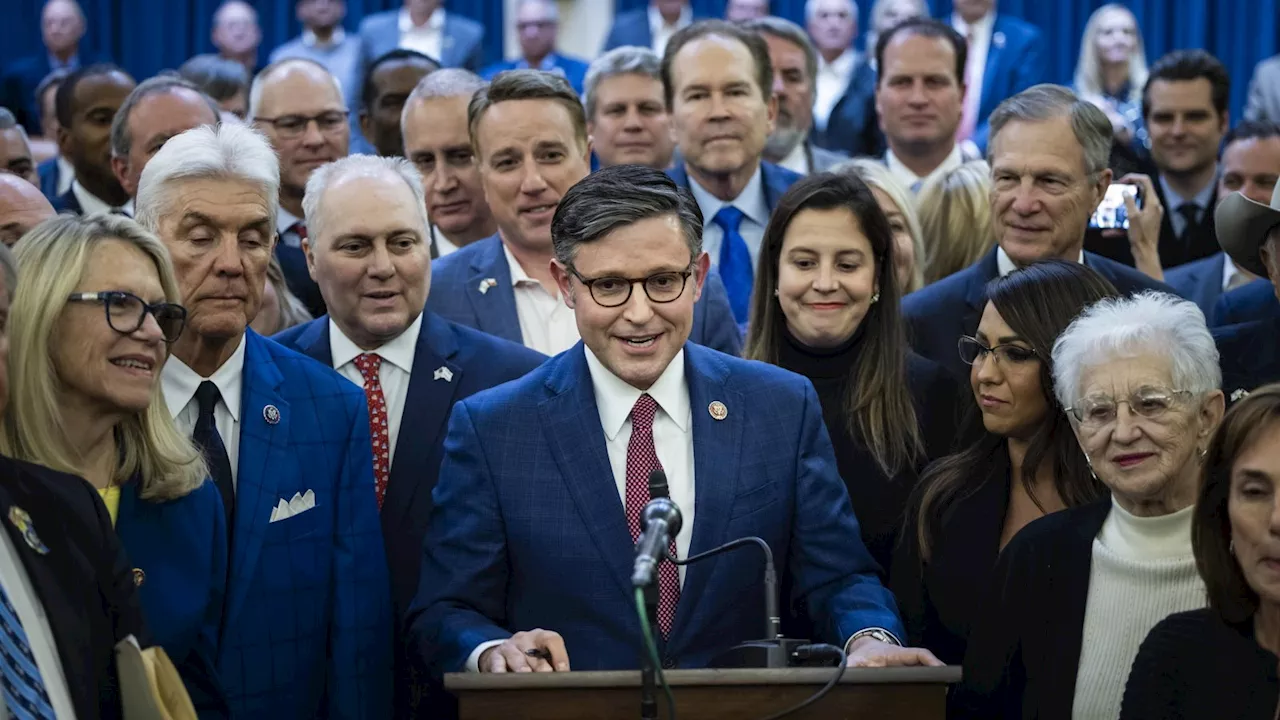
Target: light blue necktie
[
  {"x": 25, "y": 696},
  {"x": 735, "y": 262}
]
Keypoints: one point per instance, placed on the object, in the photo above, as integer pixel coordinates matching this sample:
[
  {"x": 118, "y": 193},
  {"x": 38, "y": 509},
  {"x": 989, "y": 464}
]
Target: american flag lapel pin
[{"x": 487, "y": 283}]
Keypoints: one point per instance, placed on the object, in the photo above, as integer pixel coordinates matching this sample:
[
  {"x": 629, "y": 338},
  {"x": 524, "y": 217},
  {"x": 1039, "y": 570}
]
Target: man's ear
[
  {"x": 562, "y": 277},
  {"x": 309, "y": 252}
]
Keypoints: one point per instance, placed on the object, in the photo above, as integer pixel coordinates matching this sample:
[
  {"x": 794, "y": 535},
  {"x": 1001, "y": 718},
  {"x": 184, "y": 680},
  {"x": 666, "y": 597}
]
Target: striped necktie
[{"x": 25, "y": 696}]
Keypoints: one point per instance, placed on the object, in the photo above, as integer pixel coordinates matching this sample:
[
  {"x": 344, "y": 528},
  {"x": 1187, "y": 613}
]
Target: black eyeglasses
[
  {"x": 127, "y": 312},
  {"x": 663, "y": 287},
  {"x": 291, "y": 126},
  {"x": 972, "y": 350}
]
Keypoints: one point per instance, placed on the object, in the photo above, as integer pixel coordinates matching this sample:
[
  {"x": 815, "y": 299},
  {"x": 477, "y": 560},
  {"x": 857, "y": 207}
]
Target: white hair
[
  {"x": 1149, "y": 322},
  {"x": 553, "y": 8},
  {"x": 810, "y": 5},
  {"x": 367, "y": 166},
  {"x": 209, "y": 152},
  {"x": 255, "y": 89},
  {"x": 444, "y": 83}
]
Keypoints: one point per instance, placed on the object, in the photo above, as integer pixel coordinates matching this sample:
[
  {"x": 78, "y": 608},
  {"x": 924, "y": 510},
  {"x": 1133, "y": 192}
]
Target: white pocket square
[{"x": 300, "y": 503}]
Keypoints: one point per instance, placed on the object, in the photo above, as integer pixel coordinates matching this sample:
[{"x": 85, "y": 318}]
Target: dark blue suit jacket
[
  {"x": 463, "y": 45},
  {"x": 573, "y": 69},
  {"x": 18, "y": 87},
  {"x": 528, "y": 529},
  {"x": 1249, "y": 354},
  {"x": 49, "y": 173},
  {"x": 68, "y": 203},
  {"x": 939, "y": 314},
  {"x": 457, "y": 278},
  {"x": 853, "y": 127},
  {"x": 630, "y": 28},
  {"x": 1255, "y": 301},
  {"x": 1199, "y": 281},
  {"x": 307, "y": 629},
  {"x": 776, "y": 180},
  {"x": 181, "y": 548},
  {"x": 1015, "y": 62}
]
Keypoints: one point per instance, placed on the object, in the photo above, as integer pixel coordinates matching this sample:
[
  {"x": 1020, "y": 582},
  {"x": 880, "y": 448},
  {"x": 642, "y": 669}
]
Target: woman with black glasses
[
  {"x": 89, "y": 327},
  {"x": 1025, "y": 463}
]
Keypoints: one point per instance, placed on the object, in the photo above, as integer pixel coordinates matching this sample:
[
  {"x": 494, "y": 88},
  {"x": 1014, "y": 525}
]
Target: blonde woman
[
  {"x": 955, "y": 218},
  {"x": 1113, "y": 69},
  {"x": 89, "y": 330},
  {"x": 896, "y": 203}
]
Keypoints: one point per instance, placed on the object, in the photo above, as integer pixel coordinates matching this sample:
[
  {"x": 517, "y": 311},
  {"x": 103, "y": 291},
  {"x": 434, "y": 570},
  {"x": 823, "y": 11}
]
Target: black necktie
[
  {"x": 206, "y": 438},
  {"x": 1191, "y": 213}
]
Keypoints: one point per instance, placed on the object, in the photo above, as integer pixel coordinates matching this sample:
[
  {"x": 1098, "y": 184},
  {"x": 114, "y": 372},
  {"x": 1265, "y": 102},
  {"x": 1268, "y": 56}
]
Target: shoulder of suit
[
  {"x": 750, "y": 377},
  {"x": 492, "y": 351},
  {"x": 297, "y": 369},
  {"x": 1057, "y": 529},
  {"x": 461, "y": 21},
  {"x": 946, "y": 291},
  {"x": 289, "y": 337},
  {"x": 1009, "y": 23}
]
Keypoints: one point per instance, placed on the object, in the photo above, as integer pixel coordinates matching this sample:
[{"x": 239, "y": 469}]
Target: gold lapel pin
[
  {"x": 27, "y": 529},
  {"x": 139, "y": 577},
  {"x": 718, "y": 410}
]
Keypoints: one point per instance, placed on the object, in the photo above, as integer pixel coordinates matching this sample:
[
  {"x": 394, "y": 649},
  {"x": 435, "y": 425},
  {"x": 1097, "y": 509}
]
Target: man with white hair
[
  {"x": 236, "y": 33},
  {"x": 306, "y": 629},
  {"x": 298, "y": 104},
  {"x": 1250, "y": 233},
  {"x": 368, "y": 252}
]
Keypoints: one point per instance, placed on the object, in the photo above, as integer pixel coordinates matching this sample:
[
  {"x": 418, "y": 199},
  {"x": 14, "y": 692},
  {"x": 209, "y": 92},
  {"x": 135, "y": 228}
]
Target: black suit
[
  {"x": 1249, "y": 354},
  {"x": 84, "y": 581},
  {"x": 939, "y": 314},
  {"x": 853, "y": 127},
  {"x": 1200, "y": 239}
]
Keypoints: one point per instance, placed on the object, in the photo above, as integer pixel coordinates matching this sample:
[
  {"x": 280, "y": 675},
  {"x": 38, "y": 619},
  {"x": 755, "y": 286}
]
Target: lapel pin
[
  {"x": 271, "y": 414},
  {"x": 487, "y": 283},
  {"x": 22, "y": 521},
  {"x": 139, "y": 577},
  {"x": 1239, "y": 393},
  {"x": 718, "y": 410},
  {"x": 444, "y": 373},
  {"x": 998, "y": 39}
]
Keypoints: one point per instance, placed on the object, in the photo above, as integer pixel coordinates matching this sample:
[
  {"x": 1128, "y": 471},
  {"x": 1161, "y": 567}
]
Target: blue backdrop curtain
[{"x": 1238, "y": 32}]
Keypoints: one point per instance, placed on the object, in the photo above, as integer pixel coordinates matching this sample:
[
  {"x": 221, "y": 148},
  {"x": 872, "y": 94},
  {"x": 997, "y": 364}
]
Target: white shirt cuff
[
  {"x": 867, "y": 631},
  {"x": 473, "y": 660}
]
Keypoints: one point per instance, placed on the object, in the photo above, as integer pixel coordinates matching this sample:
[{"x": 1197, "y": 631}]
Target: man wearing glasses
[
  {"x": 298, "y": 105},
  {"x": 529, "y": 132}
]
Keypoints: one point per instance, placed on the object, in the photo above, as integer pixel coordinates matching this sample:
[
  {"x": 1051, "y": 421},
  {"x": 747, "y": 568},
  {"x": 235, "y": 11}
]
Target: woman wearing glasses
[
  {"x": 1024, "y": 464},
  {"x": 1076, "y": 592},
  {"x": 825, "y": 306},
  {"x": 89, "y": 331}
]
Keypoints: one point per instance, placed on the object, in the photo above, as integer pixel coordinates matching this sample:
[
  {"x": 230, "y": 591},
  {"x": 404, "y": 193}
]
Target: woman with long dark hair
[
  {"x": 1025, "y": 463},
  {"x": 826, "y": 305}
]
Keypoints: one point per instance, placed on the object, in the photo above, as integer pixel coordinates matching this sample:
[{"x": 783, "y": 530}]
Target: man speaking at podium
[{"x": 530, "y": 545}]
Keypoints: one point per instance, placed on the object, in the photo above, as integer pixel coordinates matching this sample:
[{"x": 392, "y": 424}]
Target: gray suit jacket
[
  {"x": 462, "y": 46},
  {"x": 1264, "y": 91},
  {"x": 821, "y": 159}
]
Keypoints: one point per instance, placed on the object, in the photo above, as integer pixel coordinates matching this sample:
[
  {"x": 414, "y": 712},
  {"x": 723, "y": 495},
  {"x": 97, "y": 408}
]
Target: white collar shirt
[
  {"x": 913, "y": 182},
  {"x": 180, "y": 383},
  {"x": 830, "y": 84},
  {"x": 90, "y": 203},
  {"x": 546, "y": 323},
  {"x": 661, "y": 31},
  {"x": 797, "y": 161},
  {"x": 393, "y": 373},
  {"x": 1006, "y": 265},
  {"x": 427, "y": 38}
]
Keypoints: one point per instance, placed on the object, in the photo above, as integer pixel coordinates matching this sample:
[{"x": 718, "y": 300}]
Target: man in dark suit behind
[
  {"x": 423, "y": 25},
  {"x": 844, "y": 112},
  {"x": 62, "y": 26},
  {"x": 1006, "y": 56},
  {"x": 87, "y": 102},
  {"x": 1049, "y": 178},
  {"x": 649, "y": 27},
  {"x": 537, "y": 25},
  {"x": 1250, "y": 352}
]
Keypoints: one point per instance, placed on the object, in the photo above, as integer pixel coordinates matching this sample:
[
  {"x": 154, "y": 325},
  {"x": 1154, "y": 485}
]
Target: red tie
[
  {"x": 300, "y": 229},
  {"x": 369, "y": 365},
  {"x": 642, "y": 459}
]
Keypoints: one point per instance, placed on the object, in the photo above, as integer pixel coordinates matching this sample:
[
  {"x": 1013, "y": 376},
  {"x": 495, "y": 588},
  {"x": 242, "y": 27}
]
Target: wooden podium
[{"x": 907, "y": 693}]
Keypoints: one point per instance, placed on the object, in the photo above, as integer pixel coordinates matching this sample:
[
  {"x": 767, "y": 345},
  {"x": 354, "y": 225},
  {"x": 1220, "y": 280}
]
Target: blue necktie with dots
[{"x": 25, "y": 696}]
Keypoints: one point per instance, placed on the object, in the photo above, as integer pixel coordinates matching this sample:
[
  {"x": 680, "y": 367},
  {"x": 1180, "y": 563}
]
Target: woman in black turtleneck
[{"x": 826, "y": 306}]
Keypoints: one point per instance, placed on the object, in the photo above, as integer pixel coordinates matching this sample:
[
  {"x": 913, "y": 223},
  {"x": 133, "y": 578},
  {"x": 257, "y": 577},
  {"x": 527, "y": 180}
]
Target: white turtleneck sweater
[{"x": 1143, "y": 570}]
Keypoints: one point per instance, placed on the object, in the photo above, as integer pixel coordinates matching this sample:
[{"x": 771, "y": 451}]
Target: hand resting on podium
[
  {"x": 869, "y": 652},
  {"x": 513, "y": 654}
]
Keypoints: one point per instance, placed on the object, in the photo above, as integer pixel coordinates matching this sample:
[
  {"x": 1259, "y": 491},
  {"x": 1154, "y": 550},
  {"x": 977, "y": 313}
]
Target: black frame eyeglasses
[
  {"x": 613, "y": 296},
  {"x": 292, "y": 126},
  {"x": 127, "y": 312},
  {"x": 973, "y": 350}
]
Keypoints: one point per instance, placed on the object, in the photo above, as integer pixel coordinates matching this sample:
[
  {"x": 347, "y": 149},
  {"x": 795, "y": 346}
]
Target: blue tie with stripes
[
  {"x": 735, "y": 262},
  {"x": 25, "y": 696}
]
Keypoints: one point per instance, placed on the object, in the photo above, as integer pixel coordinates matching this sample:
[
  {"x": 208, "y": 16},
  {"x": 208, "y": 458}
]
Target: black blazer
[
  {"x": 939, "y": 314},
  {"x": 1201, "y": 240},
  {"x": 939, "y": 599},
  {"x": 1024, "y": 644},
  {"x": 68, "y": 203},
  {"x": 84, "y": 581},
  {"x": 853, "y": 128},
  {"x": 1249, "y": 354}
]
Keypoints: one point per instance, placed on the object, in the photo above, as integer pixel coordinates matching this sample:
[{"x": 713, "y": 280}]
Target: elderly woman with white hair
[{"x": 1077, "y": 591}]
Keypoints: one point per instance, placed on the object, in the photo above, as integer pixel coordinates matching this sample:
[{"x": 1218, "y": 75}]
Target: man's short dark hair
[
  {"x": 618, "y": 196},
  {"x": 930, "y": 28},
  {"x": 217, "y": 77},
  {"x": 1251, "y": 130},
  {"x": 369, "y": 92},
  {"x": 526, "y": 85},
  {"x": 1183, "y": 65},
  {"x": 753, "y": 41},
  {"x": 64, "y": 101}
]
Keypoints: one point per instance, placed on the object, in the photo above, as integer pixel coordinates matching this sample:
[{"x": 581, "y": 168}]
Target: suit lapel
[
  {"x": 994, "y": 51},
  {"x": 489, "y": 290},
  {"x": 1071, "y": 580},
  {"x": 314, "y": 341},
  {"x": 774, "y": 185},
  {"x": 678, "y": 175},
  {"x": 975, "y": 296}
]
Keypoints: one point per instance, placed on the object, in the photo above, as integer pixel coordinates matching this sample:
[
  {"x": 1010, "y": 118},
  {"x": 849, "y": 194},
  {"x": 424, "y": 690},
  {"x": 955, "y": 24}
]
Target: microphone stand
[{"x": 648, "y": 673}]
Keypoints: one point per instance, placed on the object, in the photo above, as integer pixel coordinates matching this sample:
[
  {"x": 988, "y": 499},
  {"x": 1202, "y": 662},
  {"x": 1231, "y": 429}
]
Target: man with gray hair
[
  {"x": 22, "y": 207},
  {"x": 537, "y": 24},
  {"x": 368, "y": 252},
  {"x": 1048, "y": 157},
  {"x": 436, "y": 139},
  {"x": 795, "y": 63},
  {"x": 626, "y": 114},
  {"x": 1250, "y": 233},
  {"x": 15, "y": 149},
  {"x": 307, "y": 628},
  {"x": 844, "y": 114}
]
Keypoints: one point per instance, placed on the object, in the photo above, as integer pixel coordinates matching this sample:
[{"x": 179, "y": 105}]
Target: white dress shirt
[
  {"x": 427, "y": 38},
  {"x": 35, "y": 623},
  {"x": 180, "y": 383},
  {"x": 443, "y": 246},
  {"x": 284, "y": 221},
  {"x": 546, "y": 323},
  {"x": 1006, "y": 265},
  {"x": 913, "y": 182},
  {"x": 337, "y": 38},
  {"x": 829, "y": 86},
  {"x": 1232, "y": 276},
  {"x": 797, "y": 161},
  {"x": 66, "y": 175},
  {"x": 750, "y": 201},
  {"x": 397, "y": 365},
  {"x": 661, "y": 31},
  {"x": 976, "y": 65},
  {"x": 90, "y": 203}
]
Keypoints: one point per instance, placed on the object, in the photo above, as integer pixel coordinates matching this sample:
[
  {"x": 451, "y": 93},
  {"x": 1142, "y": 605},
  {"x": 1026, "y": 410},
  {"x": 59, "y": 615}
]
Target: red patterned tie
[
  {"x": 300, "y": 229},
  {"x": 642, "y": 460},
  {"x": 369, "y": 364}
]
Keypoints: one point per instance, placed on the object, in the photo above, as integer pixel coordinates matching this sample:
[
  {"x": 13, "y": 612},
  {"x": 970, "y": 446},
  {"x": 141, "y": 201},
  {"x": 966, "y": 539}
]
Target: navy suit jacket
[
  {"x": 456, "y": 294},
  {"x": 1199, "y": 281},
  {"x": 18, "y": 87},
  {"x": 775, "y": 179},
  {"x": 630, "y": 28},
  {"x": 939, "y": 314},
  {"x": 68, "y": 203},
  {"x": 462, "y": 45},
  {"x": 528, "y": 529},
  {"x": 49, "y": 173},
  {"x": 853, "y": 128},
  {"x": 573, "y": 69},
  {"x": 307, "y": 629},
  {"x": 1249, "y": 354},
  {"x": 1013, "y": 64},
  {"x": 181, "y": 548},
  {"x": 1255, "y": 301}
]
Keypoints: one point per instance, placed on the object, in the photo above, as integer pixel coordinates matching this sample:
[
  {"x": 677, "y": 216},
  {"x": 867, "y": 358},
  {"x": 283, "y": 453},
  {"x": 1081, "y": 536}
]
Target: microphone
[
  {"x": 658, "y": 485},
  {"x": 660, "y": 522}
]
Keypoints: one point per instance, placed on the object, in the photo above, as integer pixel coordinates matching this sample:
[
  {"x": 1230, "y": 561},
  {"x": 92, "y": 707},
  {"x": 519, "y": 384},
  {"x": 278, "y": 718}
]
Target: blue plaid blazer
[
  {"x": 528, "y": 530},
  {"x": 307, "y": 630}
]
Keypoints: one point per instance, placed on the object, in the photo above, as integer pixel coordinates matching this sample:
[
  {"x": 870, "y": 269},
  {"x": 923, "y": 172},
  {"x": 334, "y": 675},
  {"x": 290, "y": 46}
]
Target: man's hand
[
  {"x": 869, "y": 652},
  {"x": 513, "y": 654},
  {"x": 1144, "y": 226}
]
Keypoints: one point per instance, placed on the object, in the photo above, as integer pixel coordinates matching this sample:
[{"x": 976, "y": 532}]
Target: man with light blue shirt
[
  {"x": 325, "y": 41},
  {"x": 425, "y": 27},
  {"x": 537, "y": 24}
]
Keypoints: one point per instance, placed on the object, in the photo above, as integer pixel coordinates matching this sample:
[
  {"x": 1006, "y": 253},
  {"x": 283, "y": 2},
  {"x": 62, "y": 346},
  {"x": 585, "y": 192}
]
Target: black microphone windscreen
[{"x": 658, "y": 484}]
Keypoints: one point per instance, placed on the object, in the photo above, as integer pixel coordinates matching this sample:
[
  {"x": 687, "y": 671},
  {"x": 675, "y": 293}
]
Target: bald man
[
  {"x": 236, "y": 33},
  {"x": 61, "y": 27},
  {"x": 22, "y": 207}
]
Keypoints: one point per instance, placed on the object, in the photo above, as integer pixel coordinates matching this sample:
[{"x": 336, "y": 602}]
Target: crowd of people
[{"x": 338, "y": 374}]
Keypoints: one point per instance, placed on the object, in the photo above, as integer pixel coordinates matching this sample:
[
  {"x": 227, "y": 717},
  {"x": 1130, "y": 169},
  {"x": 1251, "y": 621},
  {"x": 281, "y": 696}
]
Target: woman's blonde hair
[
  {"x": 877, "y": 175},
  {"x": 1089, "y": 69},
  {"x": 955, "y": 216},
  {"x": 52, "y": 259}
]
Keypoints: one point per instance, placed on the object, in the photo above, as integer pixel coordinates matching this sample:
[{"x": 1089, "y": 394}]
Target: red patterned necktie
[
  {"x": 369, "y": 364},
  {"x": 300, "y": 229},
  {"x": 642, "y": 459}
]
